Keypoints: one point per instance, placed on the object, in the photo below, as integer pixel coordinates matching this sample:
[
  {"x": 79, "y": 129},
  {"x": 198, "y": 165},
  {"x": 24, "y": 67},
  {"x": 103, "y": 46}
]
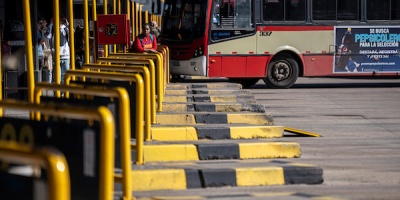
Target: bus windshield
[{"x": 184, "y": 19}]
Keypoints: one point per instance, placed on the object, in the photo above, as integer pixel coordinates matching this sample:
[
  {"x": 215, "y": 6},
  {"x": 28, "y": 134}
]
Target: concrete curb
[
  {"x": 212, "y": 107},
  {"x": 210, "y": 98},
  {"x": 214, "y": 118},
  {"x": 180, "y": 178},
  {"x": 162, "y": 152},
  {"x": 185, "y": 133}
]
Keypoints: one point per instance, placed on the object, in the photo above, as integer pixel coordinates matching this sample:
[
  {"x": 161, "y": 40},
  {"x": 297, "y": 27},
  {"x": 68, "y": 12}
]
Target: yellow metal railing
[
  {"x": 139, "y": 99},
  {"x": 100, "y": 114},
  {"x": 136, "y": 61},
  {"x": 124, "y": 120},
  {"x": 149, "y": 113},
  {"x": 53, "y": 161}
]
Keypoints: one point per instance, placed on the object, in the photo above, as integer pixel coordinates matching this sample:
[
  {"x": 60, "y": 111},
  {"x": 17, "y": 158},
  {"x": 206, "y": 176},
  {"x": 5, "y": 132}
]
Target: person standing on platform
[{"x": 145, "y": 42}]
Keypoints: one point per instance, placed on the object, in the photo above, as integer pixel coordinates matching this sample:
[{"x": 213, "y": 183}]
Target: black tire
[{"x": 282, "y": 72}]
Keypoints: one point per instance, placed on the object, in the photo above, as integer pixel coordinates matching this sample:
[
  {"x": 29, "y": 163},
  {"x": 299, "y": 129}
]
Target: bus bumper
[{"x": 192, "y": 67}]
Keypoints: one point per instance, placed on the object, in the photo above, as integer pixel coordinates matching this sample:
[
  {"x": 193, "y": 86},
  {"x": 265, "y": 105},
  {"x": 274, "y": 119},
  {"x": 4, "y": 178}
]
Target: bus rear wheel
[{"x": 282, "y": 72}]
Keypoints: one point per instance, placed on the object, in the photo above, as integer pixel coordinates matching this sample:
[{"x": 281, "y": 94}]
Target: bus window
[
  {"x": 378, "y": 9},
  {"x": 335, "y": 10},
  {"x": 280, "y": 10},
  {"x": 232, "y": 14},
  {"x": 184, "y": 19}
]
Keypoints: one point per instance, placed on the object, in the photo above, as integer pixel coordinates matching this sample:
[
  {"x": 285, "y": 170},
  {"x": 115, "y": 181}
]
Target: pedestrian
[
  {"x": 145, "y": 42},
  {"x": 8, "y": 62},
  {"x": 155, "y": 30},
  {"x": 48, "y": 57},
  {"x": 79, "y": 46},
  {"x": 64, "y": 47}
]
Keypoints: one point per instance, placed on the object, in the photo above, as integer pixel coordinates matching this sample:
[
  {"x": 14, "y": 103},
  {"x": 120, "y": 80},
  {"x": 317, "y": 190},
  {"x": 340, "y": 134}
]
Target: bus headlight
[{"x": 198, "y": 52}]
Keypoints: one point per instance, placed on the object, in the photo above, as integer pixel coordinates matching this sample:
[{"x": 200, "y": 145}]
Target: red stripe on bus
[
  {"x": 251, "y": 52},
  {"x": 307, "y": 51},
  {"x": 294, "y": 28},
  {"x": 323, "y": 51},
  {"x": 267, "y": 52},
  {"x": 217, "y": 52},
  {"x": 234, "y": 52}
]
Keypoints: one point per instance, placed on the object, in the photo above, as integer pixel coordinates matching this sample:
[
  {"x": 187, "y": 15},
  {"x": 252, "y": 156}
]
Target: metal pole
[{"x": 28, "y": 49}]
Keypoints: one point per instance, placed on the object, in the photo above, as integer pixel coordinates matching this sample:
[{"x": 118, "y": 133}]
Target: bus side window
[{"x": 243, "y": 16}]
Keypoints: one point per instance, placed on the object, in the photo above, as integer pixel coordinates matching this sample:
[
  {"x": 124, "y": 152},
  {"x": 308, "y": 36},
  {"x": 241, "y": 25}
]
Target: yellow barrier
[
  {"x": 50, "y": 159},
  {"x": 159, "y": 57},
  {"x": 139, "y": 99},
  {"x": 106, "y": 120},
  {"x": 149, "y": 104},
  {"x": 133, "y": 61},
  {"x": 124, "y": 117}
]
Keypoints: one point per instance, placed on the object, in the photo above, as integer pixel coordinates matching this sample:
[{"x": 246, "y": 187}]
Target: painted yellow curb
[
  {"x": 269, "y": 150},
  {"x": 223, "y": 98},
  {"x": 260, "y": 176},
  {"x": 250, "y": 132},
  {"x": 175, "y": 119},
  {"x": 176, "y": 92},
  {"x": 165, "y": 179},
  {"x": 175, "y": 98},
  {"x": 177, "y": 86},
  {"x": 173, "y": 133},
  {"x": 228, "y": 107},
  {"x": 162, "y": 153},
  {"x": 249, "y": 118},
  {"x": 175, "y": 107}
]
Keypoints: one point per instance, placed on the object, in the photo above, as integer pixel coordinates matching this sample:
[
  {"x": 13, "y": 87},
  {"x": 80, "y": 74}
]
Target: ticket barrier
[
  {"x": 148, "y": 62},
  {"x": 149, "y": 113},
  {"x": 116, "y": 99},
  {"x": 88, "y": 147},
  {"x": 56, "y": 185},
  {"x": 136, "y": 96}
]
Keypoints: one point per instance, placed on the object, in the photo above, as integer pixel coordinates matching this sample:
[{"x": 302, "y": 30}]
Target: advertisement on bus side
[{"x": 367, "y": 49}]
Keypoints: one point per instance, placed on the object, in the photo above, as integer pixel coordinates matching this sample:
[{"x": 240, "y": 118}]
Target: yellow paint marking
[
  {"x": 175, "y": 118},
  {"x": 228, "y": 107},
  {"x": 269, "y": 150},
  {"x": 175, "y": 107},
  {"x": 175, "y": 92},
  {"x": 175, "y": 98},
  {"x": 162, "y": 179},
  {"x": 260, "y": 176},
  {"x": 250, "y": 132},
  {"x": 230, "y": 98},
  {"x": 173, "y": 133},
  {"x": 250, "y": 118},
  {"x": 301, "y": 132},
  {"x": 173, "y": 152}
]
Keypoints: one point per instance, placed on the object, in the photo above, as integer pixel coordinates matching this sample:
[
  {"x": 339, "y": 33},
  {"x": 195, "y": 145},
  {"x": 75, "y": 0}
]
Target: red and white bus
[{"x": 280, "y": 40}]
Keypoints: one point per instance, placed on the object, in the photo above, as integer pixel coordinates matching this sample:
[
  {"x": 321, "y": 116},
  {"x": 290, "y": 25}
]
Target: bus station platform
[{"x": 203, "y": 140}]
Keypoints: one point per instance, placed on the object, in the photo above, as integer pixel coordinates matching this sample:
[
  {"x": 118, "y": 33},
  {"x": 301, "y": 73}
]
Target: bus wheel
[{"x": 282, "y": 72}]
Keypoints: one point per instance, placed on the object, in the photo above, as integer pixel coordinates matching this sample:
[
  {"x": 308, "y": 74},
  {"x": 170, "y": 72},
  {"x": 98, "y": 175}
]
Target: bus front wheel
[{"x": 282, "y": 72}]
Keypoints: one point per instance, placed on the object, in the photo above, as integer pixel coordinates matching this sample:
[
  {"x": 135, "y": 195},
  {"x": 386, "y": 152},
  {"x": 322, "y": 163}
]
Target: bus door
[{"x": 232, "y": 39}]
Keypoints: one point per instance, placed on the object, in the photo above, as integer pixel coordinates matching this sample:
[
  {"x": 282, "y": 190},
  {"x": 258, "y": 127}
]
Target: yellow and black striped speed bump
[
  {"x": 218, "y": 150},
  {"x": 214, "y": 118},
  {"x": 184, "y": 133},
  {"x": 229, "y": 173}
]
